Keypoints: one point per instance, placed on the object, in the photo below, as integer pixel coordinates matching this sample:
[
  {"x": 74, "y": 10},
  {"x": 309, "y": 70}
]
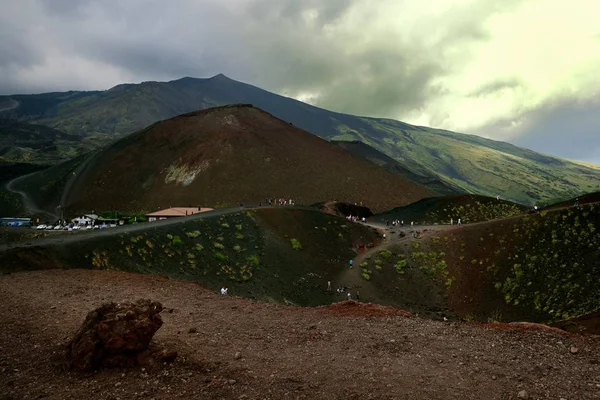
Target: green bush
[
  {"x": 221, "y": 257},
  {"x": 193, "y": 234},
  {"x": 253, "y": 260},
  {"x": 295, "y": 244},
  {"x": 177, "y": 241}
]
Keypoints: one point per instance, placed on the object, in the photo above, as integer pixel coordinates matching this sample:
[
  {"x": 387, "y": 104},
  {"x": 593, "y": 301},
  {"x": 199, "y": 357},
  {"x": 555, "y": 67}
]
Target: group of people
[
  {"x": 355, "y": 218},
  {"x": 343, "y": 289},
  {"x": 279, "y": 202},
  {"x": 396, "y": 222}
]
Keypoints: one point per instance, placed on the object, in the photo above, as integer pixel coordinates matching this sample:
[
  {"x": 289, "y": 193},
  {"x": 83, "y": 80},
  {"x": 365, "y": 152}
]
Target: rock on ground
[{"x": 118, "y": 335}]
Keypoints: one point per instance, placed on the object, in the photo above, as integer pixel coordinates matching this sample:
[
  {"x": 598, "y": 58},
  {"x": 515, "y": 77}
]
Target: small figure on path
[
  {"x": 349, "y": 296},
  {"x": 451, "y": 221},
  {"x": 351, "y": 262},
  {"x": 384, "y": 236},
  {"x": 223, "y": 290},
  {"x": 412, "y": 223},
  {"x": 328, "y": 285},
  {"x": 357, "y": 295},
  {"x": 459, "y": 222}
]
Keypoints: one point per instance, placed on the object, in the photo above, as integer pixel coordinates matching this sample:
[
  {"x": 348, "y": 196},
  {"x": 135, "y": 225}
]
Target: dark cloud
[
  {"x": 496, "y": 86},
  {"x": 569, "y": 128},
  {"x": 345, "y": 55}
]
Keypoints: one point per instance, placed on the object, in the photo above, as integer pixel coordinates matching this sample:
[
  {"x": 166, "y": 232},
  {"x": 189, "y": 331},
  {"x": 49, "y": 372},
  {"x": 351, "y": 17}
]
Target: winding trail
[
  {"x": 351, "y": 277},
  {"x": 29, "y": 204}
]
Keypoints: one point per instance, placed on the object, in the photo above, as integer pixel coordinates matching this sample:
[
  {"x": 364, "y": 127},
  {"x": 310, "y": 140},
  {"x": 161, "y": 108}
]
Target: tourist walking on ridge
[
  {"x": 459, "y": 222},
  {"x": 349, "y": 296},
  {"x": 328, "y": 285},
  {"x": 351, "y": 262}
]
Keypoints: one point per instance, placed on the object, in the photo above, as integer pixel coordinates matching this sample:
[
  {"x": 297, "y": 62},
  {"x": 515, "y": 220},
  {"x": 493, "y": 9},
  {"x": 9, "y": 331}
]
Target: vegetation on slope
[
  {"x": 539, "y": 267},
  {"x": 444, "y": 210},
  {"x": 279, "y": 255},
  {"x": 22, "y": 142}
]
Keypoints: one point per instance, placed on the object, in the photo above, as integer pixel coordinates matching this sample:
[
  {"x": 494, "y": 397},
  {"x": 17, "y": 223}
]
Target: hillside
[
  {"x": 444, "y": 210},
  {"x": 465, "y": 162},
  {"x": 271, "y": 254},
  {"x": 537, "y": 267},
  {"x": 22, "y": 142},
  {"x": 218, "y": 157},
  {"x": 360, "y": 149}
]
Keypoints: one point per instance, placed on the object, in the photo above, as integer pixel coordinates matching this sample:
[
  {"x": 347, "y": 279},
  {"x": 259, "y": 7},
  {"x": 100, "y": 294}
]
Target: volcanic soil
[{"x": 234, "y": 348}]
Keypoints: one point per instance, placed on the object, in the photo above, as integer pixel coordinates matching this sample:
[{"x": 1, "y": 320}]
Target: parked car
[{"x": 41, "y": 226}]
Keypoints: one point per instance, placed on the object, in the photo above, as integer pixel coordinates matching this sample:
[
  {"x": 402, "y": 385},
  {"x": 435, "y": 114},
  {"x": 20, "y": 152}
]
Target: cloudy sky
[{"x": 524, "y": 71}]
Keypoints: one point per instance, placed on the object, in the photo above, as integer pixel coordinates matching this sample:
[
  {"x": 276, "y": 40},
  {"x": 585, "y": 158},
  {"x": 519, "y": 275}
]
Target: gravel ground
[{"x": 234, "y": 348}]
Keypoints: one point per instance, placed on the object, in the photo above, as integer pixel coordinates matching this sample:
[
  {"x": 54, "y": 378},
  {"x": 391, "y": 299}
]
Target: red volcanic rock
[{"x": 118, "y": 335}]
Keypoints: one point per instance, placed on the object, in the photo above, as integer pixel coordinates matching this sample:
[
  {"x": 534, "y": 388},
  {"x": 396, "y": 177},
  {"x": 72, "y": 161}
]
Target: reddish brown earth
[
  {"x": 234, "y": 348},
  {"x": 239, "y": 154}
]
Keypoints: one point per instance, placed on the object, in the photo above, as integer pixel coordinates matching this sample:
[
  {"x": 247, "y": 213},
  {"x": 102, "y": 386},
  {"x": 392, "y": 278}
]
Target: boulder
[{"x": 118, "y": 335}]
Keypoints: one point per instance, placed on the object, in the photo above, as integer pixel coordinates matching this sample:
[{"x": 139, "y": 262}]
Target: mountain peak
[{"x": 220, "y": 77}]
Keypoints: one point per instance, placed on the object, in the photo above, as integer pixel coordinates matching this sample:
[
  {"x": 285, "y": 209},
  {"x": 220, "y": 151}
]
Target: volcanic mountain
[
  {"x": 468, "y": 163},
  {"x": 225, "y": 156}
]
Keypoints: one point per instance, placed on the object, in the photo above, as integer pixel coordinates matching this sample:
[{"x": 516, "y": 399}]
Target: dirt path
[
  {"x": 346, "y": 351},
  {"x": 28, "y": 202},
  {"x": 351, "y": 277}
]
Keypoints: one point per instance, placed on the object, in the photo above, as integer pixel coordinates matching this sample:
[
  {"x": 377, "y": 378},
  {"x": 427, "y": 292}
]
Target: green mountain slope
[
  {"x": 466, "y": 162},
  {"x": 363, "y": 150}
]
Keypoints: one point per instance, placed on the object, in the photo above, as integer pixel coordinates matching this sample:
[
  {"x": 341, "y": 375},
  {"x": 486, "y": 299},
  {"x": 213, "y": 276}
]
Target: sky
[{"x": 523, "y": 71}]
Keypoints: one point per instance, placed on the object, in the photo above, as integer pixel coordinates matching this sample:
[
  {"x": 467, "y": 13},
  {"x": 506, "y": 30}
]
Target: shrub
[
  {"x": 221, "y": 257},
  {"x": 239, "y": 236},
  {"x": 237, "y": 248},
  {"x": 253, "y": 260},
  {"x": 401, "y": 267},
  {"x": 198, "y": 247},
  {"x": 218, "y": 245},
  {"x": 177, "y": 241},
  {"x": 386, "y": 255},
  {"x": 193, "y": 234},
  {"x": 238, "y": 227},
  {"x": 224, "y": 225},
  {"x": 296, "y": 244}
]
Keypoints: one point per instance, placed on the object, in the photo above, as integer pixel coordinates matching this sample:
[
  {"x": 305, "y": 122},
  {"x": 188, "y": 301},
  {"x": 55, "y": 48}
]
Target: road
[
  {"x": 28, "y": 203},
  {"x": 77, "y": 236}
]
